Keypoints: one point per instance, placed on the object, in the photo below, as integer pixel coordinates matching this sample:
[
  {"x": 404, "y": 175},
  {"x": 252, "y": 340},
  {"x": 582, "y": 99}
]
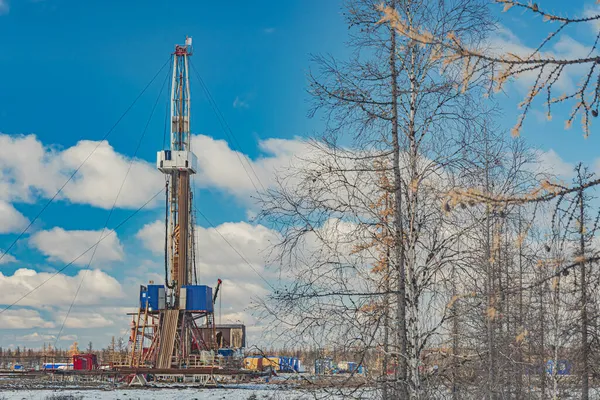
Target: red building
[{"x": 85, "y": 362}]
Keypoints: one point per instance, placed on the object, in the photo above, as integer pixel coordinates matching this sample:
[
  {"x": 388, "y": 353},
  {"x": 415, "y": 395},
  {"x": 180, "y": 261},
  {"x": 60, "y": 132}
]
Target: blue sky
[{"x": 70, "y": 68}]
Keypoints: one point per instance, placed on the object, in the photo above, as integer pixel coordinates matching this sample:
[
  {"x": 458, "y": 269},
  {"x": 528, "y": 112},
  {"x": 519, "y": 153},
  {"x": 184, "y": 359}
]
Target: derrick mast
[
  {"x": 174, "y": 325},
  {"x": 178, "y": 164}
]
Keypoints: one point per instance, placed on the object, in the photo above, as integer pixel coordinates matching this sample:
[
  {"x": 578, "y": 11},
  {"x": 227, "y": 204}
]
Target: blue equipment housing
[
  {"x": 289, "y": 364},
  {"x": 226, "y": 352},
  {"x": 198, "y": 298},
  {"x": 150, "y": 296}
]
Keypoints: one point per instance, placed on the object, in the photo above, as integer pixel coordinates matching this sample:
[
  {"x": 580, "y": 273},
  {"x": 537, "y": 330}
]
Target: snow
[{"x": 264, "y": 392}]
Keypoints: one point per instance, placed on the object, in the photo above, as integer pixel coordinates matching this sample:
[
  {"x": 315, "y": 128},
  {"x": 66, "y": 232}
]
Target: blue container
[
  {"x": 289, "y": 364},
  {"x": 226, "y": 352},
  {"x": 150, "y": 295},
  {"x": 198, "y": 298},
  {"x": 564, "y": 367}
]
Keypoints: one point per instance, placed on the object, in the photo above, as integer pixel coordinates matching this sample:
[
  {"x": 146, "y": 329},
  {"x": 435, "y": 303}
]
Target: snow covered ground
[{"x": 256, "y": 392}]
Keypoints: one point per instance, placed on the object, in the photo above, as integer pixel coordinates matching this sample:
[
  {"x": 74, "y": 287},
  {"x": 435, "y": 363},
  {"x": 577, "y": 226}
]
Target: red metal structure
[{"x": 85, "y": 362}]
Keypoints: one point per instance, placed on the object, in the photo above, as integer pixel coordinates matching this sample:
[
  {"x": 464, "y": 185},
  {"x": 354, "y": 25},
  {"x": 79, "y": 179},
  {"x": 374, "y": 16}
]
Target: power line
[
  {"x": 228, "y": 132},
  {"x": 83, "y": 162},
  {"x": 84, "y": 253},
  {"x": 233, "y": 248},
  {"x": 87, "y": 268}
]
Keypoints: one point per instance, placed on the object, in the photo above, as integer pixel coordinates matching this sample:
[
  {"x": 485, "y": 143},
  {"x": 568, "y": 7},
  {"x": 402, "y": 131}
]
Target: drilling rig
[{"x": 165, "y": 330}]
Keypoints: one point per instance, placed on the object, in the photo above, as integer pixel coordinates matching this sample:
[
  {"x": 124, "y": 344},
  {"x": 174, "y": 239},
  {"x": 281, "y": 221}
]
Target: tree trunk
[
  {"x": 584, "y": 315},
  {"x": 401, "y": 371},
  {"x": 489, "y": 284}
]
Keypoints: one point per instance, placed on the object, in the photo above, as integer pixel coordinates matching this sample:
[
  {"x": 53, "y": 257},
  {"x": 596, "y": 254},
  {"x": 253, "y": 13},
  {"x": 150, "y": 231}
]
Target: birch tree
[{"x": 388, "y": 105}]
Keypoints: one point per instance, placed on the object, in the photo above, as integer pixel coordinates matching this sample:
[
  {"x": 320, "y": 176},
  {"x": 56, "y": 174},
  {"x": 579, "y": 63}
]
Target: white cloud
[
  {"x": 84, "y": 320},
  {"x": 249, "y": 240},
  {"x": 63, "y": 245},
  {"x": 11, "y": 220},
  {"x": 23, "y": 319},
  {"x": 596, "y": 167},
  {"x": 29, "y": 170},
  {"x": 98, "y": 288},
  {"x": 239, "y": 103},
  {"x": 550, "y": 162},
  {"x": 98, "y": 181},
  {"x": 36, "y": 337},
  {"x": 219, "y": 166},
  {"x": 69, "y": 338},
  {"x": 4, "y": 7},
  {"x": 7, "y": 258},
  {"x": 504, "y": 41},
  {"x": 592, "y": 11},
  {"x": 153, "y": 237}
]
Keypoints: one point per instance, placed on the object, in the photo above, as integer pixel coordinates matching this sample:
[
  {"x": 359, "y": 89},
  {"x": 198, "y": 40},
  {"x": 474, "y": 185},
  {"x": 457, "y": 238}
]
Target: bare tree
[
  {"x": 388, "y": 110},
  {"x": 545, "y": 66}
]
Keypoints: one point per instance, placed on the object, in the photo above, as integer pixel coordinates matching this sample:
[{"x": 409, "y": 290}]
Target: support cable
[
  {"x": 172, "y": 285},
  {"x": 83, "y": 162},
  {"x": 234, "y": 249},
  {"x": 229, "y": 132},
  {"x": 112, "y": 209},
  {"x": 84, "y": 253}
]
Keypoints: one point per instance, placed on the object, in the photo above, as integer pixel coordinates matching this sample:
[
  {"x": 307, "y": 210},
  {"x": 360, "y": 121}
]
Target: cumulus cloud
[
  {"x": 591, "y": 10},
  {"x": 65, "y": 246},
  {"x": 551, "y": 162},
  {"x": 84, "y": 320},
  {"x": 23, "y": 319},
  {"x": 98, "y": 288},
  {"x": 249, "y": 240},
  {"x": 98, "y": 181},
  {"x": 7, "y": 259},
  {"x": 504, "y": 41},
  {"x": 36, "y": 337},
  {"x": 219, "y": 165},
  {"x": 11, "y": 220},
  {"x": 29, "y": 170}
]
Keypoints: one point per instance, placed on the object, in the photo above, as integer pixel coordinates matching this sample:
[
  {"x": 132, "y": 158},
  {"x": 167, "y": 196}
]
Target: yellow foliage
[
  {"x": 507, "y": 5},
  {"x": 579, "y": 259},
  {"x": 521, "y": 336},
  {"x": 367, "y": 308},
  {"x": 391, "y": 16},
  {"x": 452, "y": 301},
  {"x": 74, "y": 350},
  {"x": 515, "y": 131},
  {"x": 568, "y": 124}
]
